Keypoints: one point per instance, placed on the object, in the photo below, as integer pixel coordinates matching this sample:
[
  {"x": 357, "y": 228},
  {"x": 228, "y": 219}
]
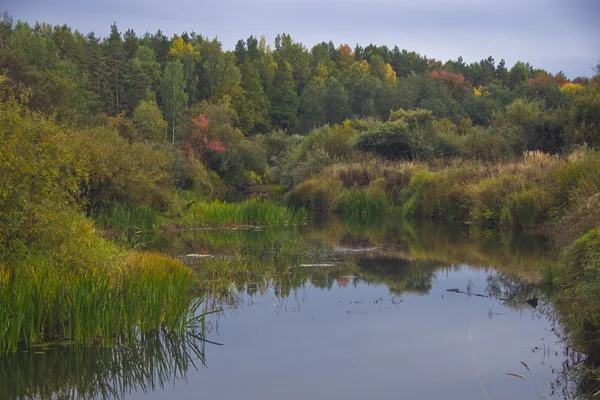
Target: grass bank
[
  {"x": 534, "y": 190},
  {"x": 142, "y": 293},
  {"x": 254, "y": 212},
  {"x": 575, "y": 288}
]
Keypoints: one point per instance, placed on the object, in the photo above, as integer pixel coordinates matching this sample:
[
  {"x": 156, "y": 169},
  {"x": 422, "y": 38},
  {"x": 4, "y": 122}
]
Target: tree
[
  {"x": 518, "y": 74},
  {"x": 364, "y": 90},
  {"x": 141, "y": 77},
  {"x": 173, "y": 93},
  {"x": 283, "y": 96},
  {"x": 240, "y": 52},
  {"x": 189, "y": 57},
  {"x": 131, "y": 43},
  {"x": 382, "y": 70},
  {"x": 213, "y": 66},
  {"x": 115, "y": 55},
  {"x": 502, "y": 72},
  {"x": 335, "y": 102},
  {"x": 6, "y": 26},
  {"x": 255, "y": 97},
  {"x": 311, "y": 106},
  {"x": 149, "y": 122},
  {"x": 96, "y": 67}
]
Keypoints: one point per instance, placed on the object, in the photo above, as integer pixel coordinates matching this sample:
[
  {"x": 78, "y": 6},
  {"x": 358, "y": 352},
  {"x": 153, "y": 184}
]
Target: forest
[{"x": 102, "y": 138}]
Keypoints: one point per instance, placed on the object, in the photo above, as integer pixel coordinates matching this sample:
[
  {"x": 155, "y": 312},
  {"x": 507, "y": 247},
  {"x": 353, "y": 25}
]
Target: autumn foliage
[
  {"x": 451, "y": 78},
  {"x": 198, "y": 143}
]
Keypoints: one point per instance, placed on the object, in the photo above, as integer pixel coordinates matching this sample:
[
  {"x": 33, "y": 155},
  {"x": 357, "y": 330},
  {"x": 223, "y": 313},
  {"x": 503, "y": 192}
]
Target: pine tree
[{"x": 115, "y": 56}]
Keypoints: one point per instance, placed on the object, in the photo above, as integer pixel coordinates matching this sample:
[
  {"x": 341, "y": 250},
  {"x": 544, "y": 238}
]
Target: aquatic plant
[
  {"x": 251, "y": 212},
  {"x": 43, "y": 302}
]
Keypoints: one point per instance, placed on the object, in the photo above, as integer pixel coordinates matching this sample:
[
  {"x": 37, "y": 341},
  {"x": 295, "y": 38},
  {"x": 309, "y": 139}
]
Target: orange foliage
[
  {"x": 346, "y": 55},
  {"x": 559, "y": 80},
  {"x": 451, "y": 78}
]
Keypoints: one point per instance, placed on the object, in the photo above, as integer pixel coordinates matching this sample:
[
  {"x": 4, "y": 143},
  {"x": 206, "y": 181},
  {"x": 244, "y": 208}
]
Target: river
[{"x": 351, "y": 310}]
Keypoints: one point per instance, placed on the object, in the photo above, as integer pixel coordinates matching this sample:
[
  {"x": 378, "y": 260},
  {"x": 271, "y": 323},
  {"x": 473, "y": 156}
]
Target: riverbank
[{"x": 559, "y": 195}]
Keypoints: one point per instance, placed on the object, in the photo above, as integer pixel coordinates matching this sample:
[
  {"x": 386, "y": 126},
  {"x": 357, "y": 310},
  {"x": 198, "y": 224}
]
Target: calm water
[{"x": 346, "y": 311}]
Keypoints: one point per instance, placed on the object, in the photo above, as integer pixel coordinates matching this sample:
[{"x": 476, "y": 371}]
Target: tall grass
[
  {"x": 42, "y": 303},
  {"x": 536, "y": 189},
  {"x": 251, "y": 212},
  {"x": 128, "y": 218},
  {"x": 360, "y": 203}
]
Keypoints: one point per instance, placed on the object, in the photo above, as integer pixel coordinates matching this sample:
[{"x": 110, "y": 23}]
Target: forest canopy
[{"x": 283, "y": 112}]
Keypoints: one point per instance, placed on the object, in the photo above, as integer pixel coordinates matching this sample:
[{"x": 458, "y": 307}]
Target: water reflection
[
  {"x": 317, "y": 302},
  {"x": 143, "y": 365}
]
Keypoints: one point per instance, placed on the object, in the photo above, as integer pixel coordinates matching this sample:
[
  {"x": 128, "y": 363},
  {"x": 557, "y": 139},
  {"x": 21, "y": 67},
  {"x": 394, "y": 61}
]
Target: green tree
[
  {"x": 96, "y": 68},
  {"x": 364, "y": 92},
  {"x": 6, "y": 26},
  {"x": 141, "y": 75},
  {"x": 258, "y": 103},
  {"x": 173, "y": 93},
  {"x": 335, "y": 102},
  {"x": 115, "y": 56},
  {"x": 130, "y": 43},
  {"x": 213, "y": 66},
  {"x": 311, "y": 106},
  {"x": 284, "y": 100},
  {"x": 149, "y": 122},
  {"x": 518, "y": 74}
]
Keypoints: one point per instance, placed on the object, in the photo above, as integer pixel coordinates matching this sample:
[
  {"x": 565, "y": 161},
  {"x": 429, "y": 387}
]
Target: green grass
[
  {"x": 128, "y": 218},
  {"x": 251, "y": 212},
  {"x": 575, "y": 284},
  {"x": 44, "y": 303},
  {"x": 361, "y": 203}
]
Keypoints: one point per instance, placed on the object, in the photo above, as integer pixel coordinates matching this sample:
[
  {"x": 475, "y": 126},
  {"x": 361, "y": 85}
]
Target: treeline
[
  {"x": 281, "y": 114},
  {"x": 287, "y": 86}
]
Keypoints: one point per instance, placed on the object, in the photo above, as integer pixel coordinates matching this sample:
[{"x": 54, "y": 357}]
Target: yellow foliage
[
  {"x": 390, "y": 74},
  {"x": 321, "y": 74},
  {"x": 481, "y": 91},
  {"x": 571, "y": 88},
  {"x": 179, "y": 47},
  {"x": 359, "y": 68}
]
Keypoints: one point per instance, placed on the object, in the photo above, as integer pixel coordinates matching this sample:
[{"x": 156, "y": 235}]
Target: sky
[{"x": 556, "y": 35}]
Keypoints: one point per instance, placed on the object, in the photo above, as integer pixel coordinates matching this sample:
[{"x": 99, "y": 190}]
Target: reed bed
[
  {"x": 45, "y": 303},
  {"x": 251, "y": 212},
  {"x": 358, "y": 203},
  {"x": 128, "y": 218}
]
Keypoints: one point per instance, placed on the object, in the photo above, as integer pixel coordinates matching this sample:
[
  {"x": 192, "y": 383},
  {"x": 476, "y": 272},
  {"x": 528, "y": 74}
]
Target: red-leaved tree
[{"x": 198, "y": 143}]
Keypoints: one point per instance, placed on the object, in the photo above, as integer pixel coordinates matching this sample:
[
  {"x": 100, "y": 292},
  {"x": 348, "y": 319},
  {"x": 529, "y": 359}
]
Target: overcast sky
[{"x": 551, "y": 34}]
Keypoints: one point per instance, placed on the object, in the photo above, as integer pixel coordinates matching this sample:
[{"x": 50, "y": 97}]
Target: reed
[
  {"x": 360, "y": 203},
  {"x": 251, "y": 212},
  {"x": 128, "y": 218},
  {"x": 45, "y": 303}
]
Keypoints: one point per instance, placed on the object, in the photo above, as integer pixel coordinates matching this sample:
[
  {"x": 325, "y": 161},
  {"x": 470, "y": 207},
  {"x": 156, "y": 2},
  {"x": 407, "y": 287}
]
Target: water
[{"x": 337, "y": 311}]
